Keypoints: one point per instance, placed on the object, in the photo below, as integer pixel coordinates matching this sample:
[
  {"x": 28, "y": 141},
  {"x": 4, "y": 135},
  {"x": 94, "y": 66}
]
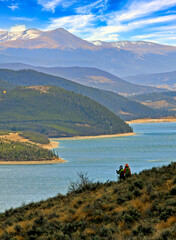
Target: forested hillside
[
  {"x": 89, "y": 76},
  {"x": 4, "y": 85},
  {"x": 57, "y": 112},
  {"x": 164, "y": 100},
  {"x": 121, "y": 106},
  {"x": 16, "y": 151},
  {"x": 142, "y": 207}
]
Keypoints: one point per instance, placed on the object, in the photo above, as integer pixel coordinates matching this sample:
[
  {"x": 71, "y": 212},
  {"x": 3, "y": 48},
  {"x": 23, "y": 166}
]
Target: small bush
[
  {"x": 121, "y": 199},
  {"x": 139, "y": 184},
  {"x": 18, "y": 228},
  {"x": 128, "y": 218},
  {"x": 143, "y": 229},
  {"x": 173, "y": 191},
  {"x": 81, "y": 185},
  {"x": 137, "y": 193},
  {"x": 165, "y": 235}
]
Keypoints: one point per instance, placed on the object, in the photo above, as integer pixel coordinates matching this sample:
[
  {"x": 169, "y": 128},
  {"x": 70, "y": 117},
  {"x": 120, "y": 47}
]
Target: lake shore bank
[
  {"x": 17, "y": 138},
  {"x": 92, "y": 137},
  {"x": 149, "y": 120},
  {"x": 53, "y": 161}
]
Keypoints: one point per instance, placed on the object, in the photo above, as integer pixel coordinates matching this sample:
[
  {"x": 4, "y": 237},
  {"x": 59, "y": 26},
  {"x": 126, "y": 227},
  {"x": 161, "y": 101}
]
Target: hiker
[
  {"x": 121, "y": 172},
  {"x": 127, "y": 171}
]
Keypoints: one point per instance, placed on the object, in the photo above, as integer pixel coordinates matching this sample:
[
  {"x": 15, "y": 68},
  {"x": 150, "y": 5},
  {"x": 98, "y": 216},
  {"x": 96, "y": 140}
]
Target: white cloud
[
  {"x": 13, "y": 7},
  {"x": 87, "y": 9},
  {"x": 104, "y": 32},
  {"x": 72, "y": 23},
  {"x": 22, "y": 19},
  {"x": 50, "y": 5},
  {"x": 18, "y": 28},
  {"x": 140, "y": 9},
  {"x": 85, "y": 23},
  {"x": 3, "y": 30}
]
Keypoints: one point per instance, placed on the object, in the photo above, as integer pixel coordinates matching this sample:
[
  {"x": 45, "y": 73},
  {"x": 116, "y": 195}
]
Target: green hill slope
[
  {"x": 16, "y": 151},
  {"x": 164, "y": 100},
  {"x": 56, "y": 112},
  {"x": 4, "y": 85},
  {"x": 142, "y": 207},
  {"x": 121, "y": 106}
]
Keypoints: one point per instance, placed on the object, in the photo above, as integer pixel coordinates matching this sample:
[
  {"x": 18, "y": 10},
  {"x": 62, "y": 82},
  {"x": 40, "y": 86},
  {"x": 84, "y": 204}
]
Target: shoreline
[
  {"x": 54, "y": 161},
  {"x": 94, "y": 137},
  {"x": 49, "y": 146},
  {"x": 150, "y": 120}
]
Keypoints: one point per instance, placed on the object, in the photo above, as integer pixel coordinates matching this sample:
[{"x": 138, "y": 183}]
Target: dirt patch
[
  {"x": 157, "y": 104},
  {"x": 15, "y": 137},
  {"x": 99, "y": 79},
  {"x": 43, "y": 89},
  {"x": 149, "y": 120},
  {"x": 99, "y": 136},
  {"x": 82, "y": 125}
]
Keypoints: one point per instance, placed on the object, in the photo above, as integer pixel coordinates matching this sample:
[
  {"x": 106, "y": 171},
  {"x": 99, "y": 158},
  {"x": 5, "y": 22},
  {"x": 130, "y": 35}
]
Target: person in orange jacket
[{"x": 127, "y": 171}]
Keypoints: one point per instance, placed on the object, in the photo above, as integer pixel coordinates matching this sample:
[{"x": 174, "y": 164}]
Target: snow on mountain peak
[{"x": 19, "y": 35}]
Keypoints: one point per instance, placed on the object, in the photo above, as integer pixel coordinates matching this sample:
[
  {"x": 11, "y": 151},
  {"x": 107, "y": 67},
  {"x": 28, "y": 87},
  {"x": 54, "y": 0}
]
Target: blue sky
[{"x": 106, "y": 20}]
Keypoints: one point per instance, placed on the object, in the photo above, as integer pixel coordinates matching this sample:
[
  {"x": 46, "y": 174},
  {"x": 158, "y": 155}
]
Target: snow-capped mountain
[
  {"x": 61, "y": 48},
  {"x": 21, "y": 35},
  {"x": 62, "y": 39},
  {"x": 140, "y": 47},
  {"x": 35, "y": 39}
]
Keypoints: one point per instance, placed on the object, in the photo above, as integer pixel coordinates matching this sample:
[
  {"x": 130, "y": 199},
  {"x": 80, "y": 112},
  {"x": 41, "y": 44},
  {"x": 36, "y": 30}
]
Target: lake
[{"x": 153, "y": 146}]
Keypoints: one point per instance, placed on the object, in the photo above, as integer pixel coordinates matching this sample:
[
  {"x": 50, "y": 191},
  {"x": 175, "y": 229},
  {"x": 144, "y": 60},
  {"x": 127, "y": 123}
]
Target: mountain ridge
[
  {"x": 87, "y": 76},
  {"x": 165, "y": 79},
  {"x": 34, "y": 39},
  {"x": 60, "y": 48},
  {"x": 118, "y": 104}
]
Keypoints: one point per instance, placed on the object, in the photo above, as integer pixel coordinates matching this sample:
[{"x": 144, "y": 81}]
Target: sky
[{"x": 105, "y": 20}]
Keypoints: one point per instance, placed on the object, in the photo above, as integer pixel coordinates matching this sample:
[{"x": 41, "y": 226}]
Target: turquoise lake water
[{"x": 153, "y": 146}]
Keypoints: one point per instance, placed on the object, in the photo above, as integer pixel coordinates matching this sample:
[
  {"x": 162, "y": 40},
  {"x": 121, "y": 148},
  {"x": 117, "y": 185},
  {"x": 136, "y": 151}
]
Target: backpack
[{"x": 127, "y": 172}]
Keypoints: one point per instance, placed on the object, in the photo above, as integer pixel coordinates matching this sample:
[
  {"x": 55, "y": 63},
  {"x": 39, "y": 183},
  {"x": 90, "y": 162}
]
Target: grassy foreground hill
[
  {"x": 56, "y": 112},
  {"x": 142, "y": 207}
]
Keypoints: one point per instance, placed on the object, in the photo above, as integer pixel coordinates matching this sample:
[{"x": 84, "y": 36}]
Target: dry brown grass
[
  {"x": 98, "y": 213},
  {"x": 162, "y": 225}
]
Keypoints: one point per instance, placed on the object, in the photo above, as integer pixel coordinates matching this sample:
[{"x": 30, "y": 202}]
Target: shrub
[
  {"x": 174, "y": 180},
  {"x": 18, "y": 228},
  {"x": 173, "y": 191},
  {"x": 144, "y": 229},
  {"x": 165, "y": 235},
  {"x": 137, "y": 193},
  {"x": 139, "y": 184},
  {"x": 128, "y": 218},
  {"x": 82, "y": 184},
  {"x": 121, "y": 199}
]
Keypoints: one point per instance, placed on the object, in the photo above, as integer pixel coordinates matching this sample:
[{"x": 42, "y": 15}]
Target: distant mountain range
[
  {"x": 61, "y": 48},
  {"x": 139, "y": 47},
  {"x": 166, "y": 79},
  {"x": 120, "y": 105},
  {"x": 91, "y": 77}
]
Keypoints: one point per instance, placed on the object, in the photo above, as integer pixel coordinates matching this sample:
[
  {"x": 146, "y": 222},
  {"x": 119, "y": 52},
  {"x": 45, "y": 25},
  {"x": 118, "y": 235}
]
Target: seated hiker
[
  {"x": 121, "y": 172},
  {"x": 127, "y": 171}
]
